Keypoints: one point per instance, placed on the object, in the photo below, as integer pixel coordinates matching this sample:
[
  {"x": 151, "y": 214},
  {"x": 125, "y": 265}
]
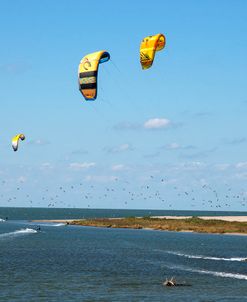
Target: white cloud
[
  {"x": 157, "y": 123},
  {"x": 81, "y": 166}
]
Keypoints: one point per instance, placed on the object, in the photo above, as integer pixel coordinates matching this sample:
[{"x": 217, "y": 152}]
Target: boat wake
[
  {"x": 213, "y": 273},
  {"x": 51, "y": 224},
  {"x": 206, "y": 257},
  {"x": 18, "y": 233}
]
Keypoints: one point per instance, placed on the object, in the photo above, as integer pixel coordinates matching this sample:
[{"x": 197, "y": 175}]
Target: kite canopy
[
  {"x": 15, "y": 140},
  {"x": 88, "y": 73},
  {"x": 148, "y": 48}
]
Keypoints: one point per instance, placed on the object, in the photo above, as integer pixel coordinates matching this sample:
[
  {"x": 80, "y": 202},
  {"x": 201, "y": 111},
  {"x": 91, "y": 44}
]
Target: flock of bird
[{"x": 155, "y": 191}]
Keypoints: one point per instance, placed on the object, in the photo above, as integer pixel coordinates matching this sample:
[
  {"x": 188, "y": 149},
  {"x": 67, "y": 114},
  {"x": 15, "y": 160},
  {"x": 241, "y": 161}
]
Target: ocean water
[{"x": 73, "y": 263}]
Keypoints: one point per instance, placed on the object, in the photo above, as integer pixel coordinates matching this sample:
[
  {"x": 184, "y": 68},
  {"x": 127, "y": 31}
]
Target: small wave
[
  {"x": 2, "y": 220},
  {"x": 18, "y": 232},
  {"x": 207, "y": 257},
  {"x": 58, "y": 224}
]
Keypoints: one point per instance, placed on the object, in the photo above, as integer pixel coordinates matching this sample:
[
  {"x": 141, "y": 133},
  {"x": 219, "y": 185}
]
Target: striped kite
[{"x": 88, "y": 73}]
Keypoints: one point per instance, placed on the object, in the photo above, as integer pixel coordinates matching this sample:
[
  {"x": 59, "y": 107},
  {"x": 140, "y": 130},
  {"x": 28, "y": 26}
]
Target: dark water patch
[{"x": 72, "y": 213}]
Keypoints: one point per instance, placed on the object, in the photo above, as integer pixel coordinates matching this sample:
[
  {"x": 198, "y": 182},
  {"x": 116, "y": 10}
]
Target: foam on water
[
  {"x": 2, "y": 220},
  {"x": 25, "y": 231},
  {"x": 207, "y": 257}
]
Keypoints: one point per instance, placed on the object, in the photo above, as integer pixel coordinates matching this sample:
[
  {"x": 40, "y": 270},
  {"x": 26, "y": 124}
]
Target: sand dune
[{"x": 225, "y": 218}]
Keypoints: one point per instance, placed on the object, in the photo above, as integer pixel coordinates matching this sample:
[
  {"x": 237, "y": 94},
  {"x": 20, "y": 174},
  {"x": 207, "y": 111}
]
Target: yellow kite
[
  {"x": 88, "y": 73},
  {"x": 148, "y": 48},
  {"x": 15, "y": 141}
]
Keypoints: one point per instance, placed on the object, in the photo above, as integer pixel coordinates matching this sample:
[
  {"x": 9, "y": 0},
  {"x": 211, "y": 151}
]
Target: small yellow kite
[{"x": 148, "y": 48}]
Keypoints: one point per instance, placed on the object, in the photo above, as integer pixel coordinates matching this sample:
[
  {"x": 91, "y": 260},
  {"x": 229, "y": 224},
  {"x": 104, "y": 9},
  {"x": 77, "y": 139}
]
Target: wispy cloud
[
  {"x": 152, "y": 155},
  {"x": 169, "y": 147},
  {"x": 241, "y": 176},
  {"x": 235, "y": 141},
  {"x": 22, "y": 179},
  {"x": 202, "y": 114},
  {"x": 176, "y": 146},
  {"x": 241, "y": 165},
  {"x": 222, "y": 167},
  {"x": 127, "y": 126},
  {"x": 119, "y": 167},
  {"x": 82, "y": 166},
  {"x": 38, "y": 142},
  {"x": 15, "y": 68},
  {"x": 150, "y": 124},
  {"x": 200, "y": 154},
  {"x": 173, "y": 146},
  {"x": 189, "y": 166},
  {"x": 100, "y": 178},
  {"x": 46, "y": 166},
  {"x": 120, "y": 148},
  {"x": 79, "y": 152}
]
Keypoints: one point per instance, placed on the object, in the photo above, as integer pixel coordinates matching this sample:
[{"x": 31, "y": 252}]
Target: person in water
[{"x": 170, "y": 282}]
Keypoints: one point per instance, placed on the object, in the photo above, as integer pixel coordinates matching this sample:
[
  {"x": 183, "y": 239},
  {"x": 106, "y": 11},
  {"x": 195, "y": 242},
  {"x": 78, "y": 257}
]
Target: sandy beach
[{"x": 224, "y": 218}]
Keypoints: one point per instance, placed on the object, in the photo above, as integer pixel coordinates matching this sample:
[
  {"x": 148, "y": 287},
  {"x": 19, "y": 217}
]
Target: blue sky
[{"x": 183, "y": 120}]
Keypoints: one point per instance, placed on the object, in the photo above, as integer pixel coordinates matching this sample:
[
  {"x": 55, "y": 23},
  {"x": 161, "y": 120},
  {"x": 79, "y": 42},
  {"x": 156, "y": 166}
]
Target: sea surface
[{"x": 73, "y": 263}]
